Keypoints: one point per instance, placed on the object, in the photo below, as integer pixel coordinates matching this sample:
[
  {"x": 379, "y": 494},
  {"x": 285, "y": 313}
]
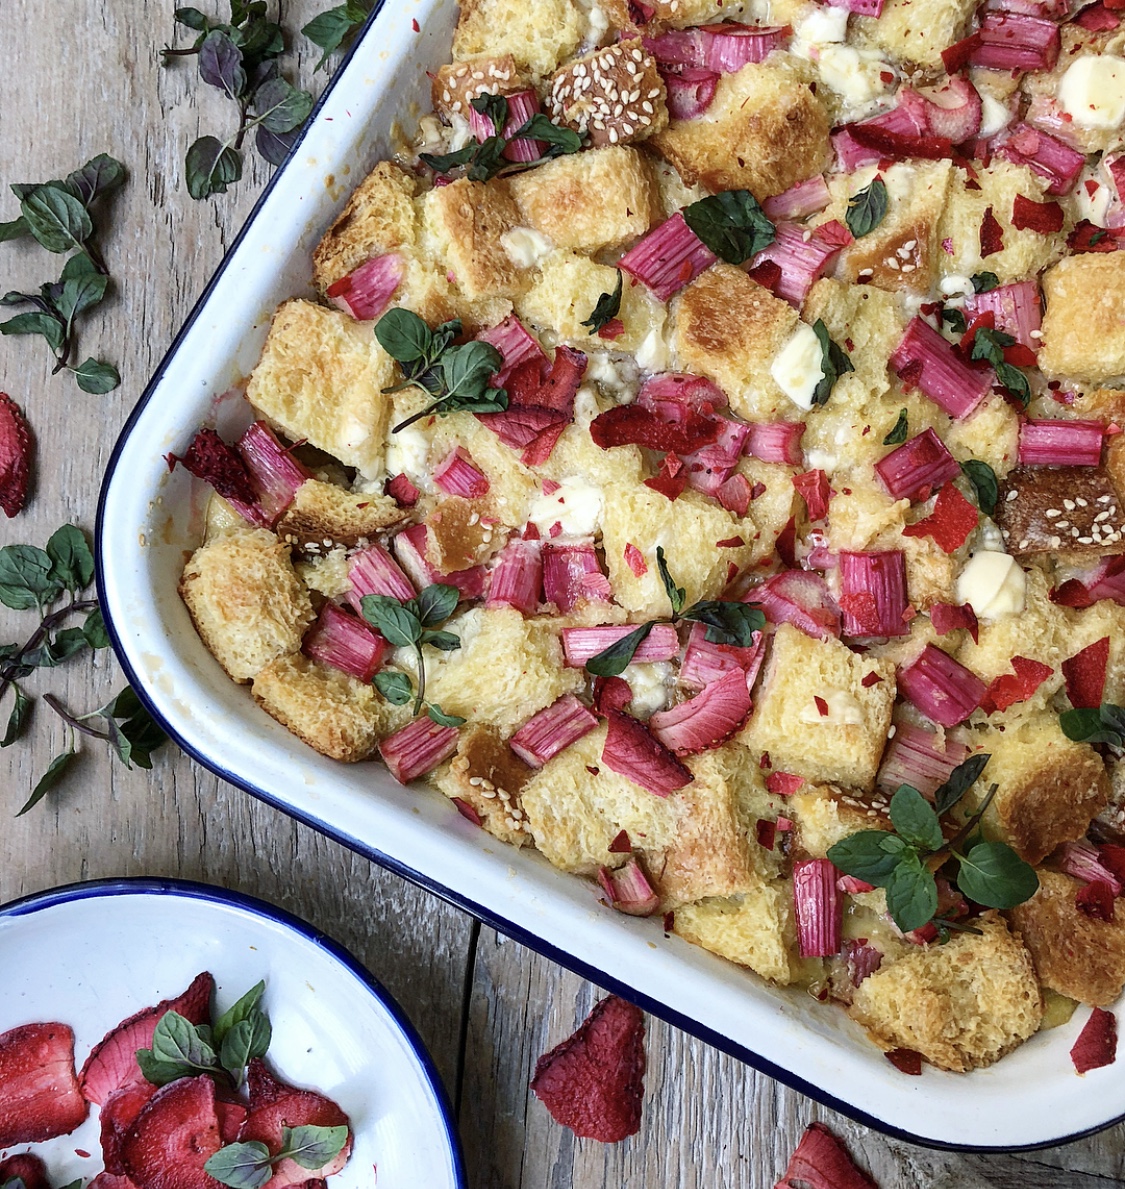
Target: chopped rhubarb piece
[
  {"x": 708, "y": 719},
  {"x": 735, "y": 494},
  {"x": 940, "y": 687},
  {"x": 803, "y": 256},
  {"x": 920, "y": 758},
  {"x": 991, "y": 235},
  {"x": 705, "y": 662},
  {"x": 875, "y": 143},
  {"x": 172, "y": 1138},
  {"x": 722, "y": 48},
  {"x": 1084, "y": 862},
  {"x": 374, "y": 571},
  {"x": 27, "y": 1168},
  {"x": 1055, "y": 443},
  {"x": 814, "y": 489},
  {"x": 940, "y": 374},
  {"x": 632, "y": 751},
  {"x": 456, "y": 475},
  {"x": 1113, "y": 860},
  {"x": 861, "y": 958},
  {"x": 853, "y": 885},
  {"x": 1017, "y": 309},
  {"x": 15, "y": 456},
  {"x": 821, "y": 1161},
  {"x": 517, "y": 580},
  {"x": 1044, "y": 217},
  {"x": 593, "y": 1081},
  {"x": 345, "y": 642},
  {"x": 799, "y": 201},
  {"x": 952, "y": 111},
  {"x": 620, "y": 845},
  {"x": 779, "y": 441},
  {"x": 873, "y": 593},
  {"x": 1095, "y": 900},
  {"x": 1085, "y": 675},
  {"x": 668, "y": 258},
  {"x": 634, "y": 425},
  {"x": 675, "y": 396},
  {"x": 417, "y": 749},
  {"x": 1045, "y": 155},
  {"x": 906, "y": 1061},
  {"x": 367, "y": 291},
  {"x": 628, "y": 890},
  {"x": 112, "y": 1062},
  {"x": 817, "y": 907},
  {"x": 515, "y": 344},
  {"x": 1097, "y": 18},
  {"x": 784, "y": 784},
  {"x": 635, "y": 560},
  {"x": 209, "y": 458},
  {"x": 1096, "y": 1045},
  {"x": 690, "y": 90},
  {"x": 522, "y": 105},
  {"x": 402, "y": 491},
  {"x": 1006, "y": 690},
  {"x": 572, "y": 575},
  {"x": 580, "y": 644},
  {"x": 957, "y": 56},
  {"x": 801, "y": 598},
  {"x": 950, "y": 523},
  {"x": 467, "y": 811},
  {"x": 1015, "y": 41},
  {"x": 913, "y": 470},
  {"x": 39, "y": 1093}
]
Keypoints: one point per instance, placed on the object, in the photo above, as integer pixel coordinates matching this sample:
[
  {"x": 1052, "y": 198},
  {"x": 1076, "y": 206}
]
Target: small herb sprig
[
  {"x": 37, "y": 579},
  {"x": 867, "y": 209},
  {"x": 607, "y": 308},
  {"x": 901, "y": 430},
  {"x": 457, "y": 376},
  {"x": 726, "y": 622},
  {"x": 249, "y": 1165},
  {"x": 834, "y": 363},
  {"x": 985, "y": 483},
  {"x": 905, "y": 861},
  {"x": 411, "y": 623},
  {"x": 1101, "y": 724},
  {"x": 988, "y": 345},
  {"x": 239, "y": 58},
  {"x": 57, "y": 214},
  {"x": 335, "y": 28},
  {"x": 731, "y": 224}
]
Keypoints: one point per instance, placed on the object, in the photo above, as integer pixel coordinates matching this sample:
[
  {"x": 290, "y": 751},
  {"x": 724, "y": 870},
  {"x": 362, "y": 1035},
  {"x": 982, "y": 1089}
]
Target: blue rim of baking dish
[
  {"x": 227, "y": 898},
  {"x": 510, "y": 928}
]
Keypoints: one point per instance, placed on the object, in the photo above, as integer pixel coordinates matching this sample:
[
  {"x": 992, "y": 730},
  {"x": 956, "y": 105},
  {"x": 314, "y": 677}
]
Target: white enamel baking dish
[{"x": 148, "y": 519}]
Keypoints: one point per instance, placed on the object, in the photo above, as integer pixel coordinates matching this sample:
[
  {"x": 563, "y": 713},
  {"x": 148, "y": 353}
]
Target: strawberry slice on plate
[
  {"x": 27, "y": 1168},
  {"x": 39, "y": 1094},
  {"x": 15, "y": 456},
  {"x": 173, "y": 1137}
]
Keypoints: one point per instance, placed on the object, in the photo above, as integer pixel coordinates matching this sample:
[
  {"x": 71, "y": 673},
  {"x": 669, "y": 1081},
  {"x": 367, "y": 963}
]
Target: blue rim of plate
[
  {"x": 510, "y": 928},
  {"x": 192, "y": 890}
]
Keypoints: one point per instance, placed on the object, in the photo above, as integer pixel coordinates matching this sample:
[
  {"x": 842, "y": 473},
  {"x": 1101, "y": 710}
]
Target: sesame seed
[
  {"x": 1081, "y": 502},
  {"x": 1013, "y": 494},
  {"x": 1085, "y": 540}
]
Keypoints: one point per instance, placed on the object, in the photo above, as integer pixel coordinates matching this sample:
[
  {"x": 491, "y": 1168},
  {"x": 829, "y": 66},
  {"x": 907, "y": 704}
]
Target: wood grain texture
[{"x": 83, "y": 78}]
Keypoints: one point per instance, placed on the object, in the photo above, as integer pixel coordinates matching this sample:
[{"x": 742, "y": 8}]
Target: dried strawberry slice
[
  {"x": 991, "y": 235},
  {"x": 173, "y": 1137},
  {"x": 1006, "y": 690},
  {"x": 112, "y": 1062},
  {"x": 611, "y": 693},
  {"x": 275, "y": 1105},
  {"x": 119, "y": 1113},
  {"x": 950, "y": 523},
  {"x": 25, "y": 1167},
  {"x": 1097, "y": 1042},
  {"x": 593, "y": 1081},
  {"x": 209, "y": 458},
  {"x": 1095, "y": 900},
  {"x": 671, "y": 479},
  {"x": 39, "y": 1094},
  {"x": 820, "y": 1161},
  {"x": 1085, "y": 675},
  {"x": 108, "y": 1180},
  {"x": 632, "y": 751},
  {"x": 15, "y": 456},
  {"x": 631, "y": 425},
  {"x": 906, "y": 1061}
]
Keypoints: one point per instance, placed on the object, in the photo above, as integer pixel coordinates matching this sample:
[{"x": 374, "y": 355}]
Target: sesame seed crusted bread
[{"x": 457, "y": 84}]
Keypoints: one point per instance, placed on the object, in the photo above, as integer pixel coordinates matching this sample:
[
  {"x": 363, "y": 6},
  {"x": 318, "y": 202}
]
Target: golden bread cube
[
  {"x": 487, "y": 775},
  {"x": 538, "y": 36},
  {"x": 1084, "y": 319},
  {"x": 916, "y": 31},
  {"x": 324, "y": 515},
  {"x": 755, "y": 928},
  {"x": 824, "y": 815}
]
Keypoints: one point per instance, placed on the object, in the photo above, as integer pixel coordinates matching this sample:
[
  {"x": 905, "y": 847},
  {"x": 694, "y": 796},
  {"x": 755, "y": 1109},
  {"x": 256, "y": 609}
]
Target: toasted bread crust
[{"x": 1075, "y": 513}]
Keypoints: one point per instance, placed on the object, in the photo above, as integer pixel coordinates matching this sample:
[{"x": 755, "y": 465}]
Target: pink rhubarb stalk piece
[
  {"x": 1016, "y": 308},
  {"x": 802, "y": 256},
  {"x": 722, "y": 49},
  {"x": 367, "y": 291},
  {"x": 275, "y": 472},
  {"x": 705, "y": 662},
  {"x": 933, "y": 366},
  {"x": 572, "y": 574},
  {"x": 517, "y": 580},
  {"x": 632, "y": 751},
  {"x": 914, "y": 470},
  {"x": 417, "y": 749},
  {"x": 799, "y": 201},
  {"x": 940, "y": 687},
  {"x": 1015, "y": 41},
  {"x": 801, "y": 598},
  {"x": 514, "y": 342},
  {"x": 374, "y": 571},
  {"x": 580, "y": 644},
  {"x": 521, "y": 107},
  {"x": 1058, "y": 443},
  {"x": 1083, "y": 861},
  {"x": 708, "y": 719},
  {"x": 779, "y": 441},
  {"x": 402, "y": 491},
  {"x": 456, "y": 475},
  {"x": 547, "y": 733},
  {"x": 1043, "y": 154},
  {"x": 668, "y": 258},
  {"x": 873, "y": 593},
  {"x": 690, "y": 90},
  {"x": 817, "y": 907},
  {"x": 410, "y": 549},
  {"x": 628, "y": 890},
  {"x": 678, "y": 397},
  {"x": 345, "y": 642},
  {"x": 920, "y": 758}
]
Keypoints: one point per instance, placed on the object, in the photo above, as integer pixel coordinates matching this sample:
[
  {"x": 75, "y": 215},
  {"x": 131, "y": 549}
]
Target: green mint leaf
[
  {"x": 27, "y": 577},
  {"x": 467, "y": 369},
  {"x": 241, "y": 1166},
  {"x": 244, "y": 1041},
  {"x": 243, "y": 1009},
  {"x": 727, "y": 623},
  {"x": 55, "y": 772},
  {"x": 281, "y": 107},
  {"x": 15, "y": 229},
  {"x": 101, "y": 175},
  {"x": 835, "y": 363},
  {"x": 560, "y": 141},
  {"x": 731, "y": 224},
  {"x": 160, "y": 1073},
  {"x": 612, "y": 661},
  {"x": 17, "y": 718},
  {"x": 57, "y": 219},
  {"x": 220, "y": 64},
  {"x": 961, "y": 779},
  {"x": 867, "y": 209},
  {"x": 80, "y": 292},
  {"x": 442, "y": 719},
  {"x": 71, "y": 559},
  {"x": 444, "y": 641},
  {"x": 607, "y": 308},
  {"x": 984, "y": 281},
  {"x": 1105, "y": 724},
  {"x": 400, "y": 627},
  {"x": 988, "y": 345},
  {"x": 311, "y": 1146},
  {"x": 993, "y": 874},
  {"x": 395, "y": 687},
  {"x": 492, "y": 107},
  {"x": 676, "y": 594},
  {"x": 446, "y": 162},
  {"x": 211, "y": 167},
  {"x": 437, "y": 603},
  {"x": 405, "y": 337},
  {"x": 275, "y": 146},
  {"x": 177, "y": 1039},
  {"x": 983, "y": 479},
  {"x": 66, "y": 644},
  {"x": 902, "y": 428},
  {"x": 333, "y": 28},
  {"x": 488, "y": 159},
  {"x": 954, "y": 319},
  {"x": 870, "y": 855},
  {"x": 914, "y": 819},
  {"x": 912, "y": 897},
  {"x": 1014, "y": 381},
  {"x": 94, "y": 630},
  {"x": 49, "y": 326},
  {"x": 192, "y": 18}
]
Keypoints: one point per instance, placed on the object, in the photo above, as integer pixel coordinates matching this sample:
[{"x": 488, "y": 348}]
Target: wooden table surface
[{"x": 81, "y": 77}]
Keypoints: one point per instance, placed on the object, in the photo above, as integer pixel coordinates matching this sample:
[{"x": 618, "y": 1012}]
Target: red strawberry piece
[
  {"x": 1085, "y": 675},
  {"x": 1097, "y": 1042},
  {"x": 814, "y": 489},
  {"x": 950, "y": 523},
  {"x": 1096, "y": 900},
  {"x": 671, "y": 479},
  {"x": 1007, "y": 690},
  {"x": 209, "y": 458},
  {"x": 15, "y": 456},
  {"x": 1071, "y": 593},
  {"x": 786, "y": 544},
  {"x": 635, "y": 560},
  {"x": 611, "y": 693},
  {"x": 632, "y": 751},
  {"x": 710, "y": 718},
  {"x": 232, "y": 1115},
  {"x": 820, "y": 1161},
  {"x": 39, "y": 1094},
  {"x": 27, "y": 1168},
  {"x": 593, "y": 1081},
  {"x": 538, "y": 450},
  {"x": 906, "y": 1061},
  {"x": 107, "y": 1180},
  {"x": 119, "y": 1113},
  {"x": 625, "y": 425},
  {"x": 172, "y": 1138},
  {"x": 620, "y": 844},
  {"x": 1112, "y": 858},
  {"x": 991, "y": 235},
  {"x": 112, "y": 1062},
  {"x": 1089, "y": 237},
  {"x": 1044, "y": 217},
  {"x": 946, "y": 617},
  {"x": 767, "y": 274},
  {"x": 784, "y": 784},
  {"x": 275, "y": 1105},
  {"x": 766, "y": 832}
]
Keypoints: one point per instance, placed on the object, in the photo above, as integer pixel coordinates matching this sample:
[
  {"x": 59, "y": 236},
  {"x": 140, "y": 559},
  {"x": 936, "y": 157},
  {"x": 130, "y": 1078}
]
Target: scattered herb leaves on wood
[{"x": 336, "y": 28}]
